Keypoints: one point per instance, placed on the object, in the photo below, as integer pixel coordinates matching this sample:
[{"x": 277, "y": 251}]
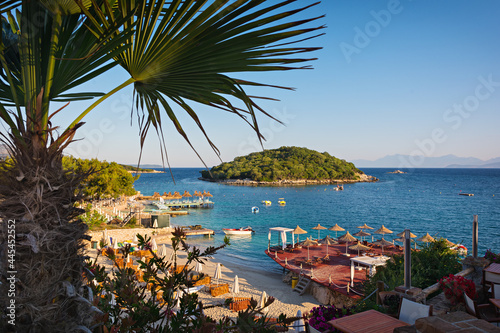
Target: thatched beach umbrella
[
  {"x": 299, "y": 231},
  {"x": 402, "y": 234},
  {"x": 308, "y": 242},
  {"x": 328, "y": 241},
  {"x": 347, "y": 238},
  {"x": 361, "y": 234},
  {"x": 318, "y": 227},
  {"x": 358, "y": 246},
  {"x": 382, "y": 242},
  {"x": 186, "y": 194},
  {"x": 208, "y": 194},
  {"x": 336, "y": 228},
  {"x": 364, "y": 226},
  {"x": 448, "y": 243},
  {"x": 383, "y": 230},
  {"x": 426, "y": 238},
  {"x": 402, "y": 240}
]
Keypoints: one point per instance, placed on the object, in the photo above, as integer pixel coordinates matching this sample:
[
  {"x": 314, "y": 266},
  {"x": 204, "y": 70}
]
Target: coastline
[
  {"x": 289, "y": 182},
  {"x": 252, "y": 281}
]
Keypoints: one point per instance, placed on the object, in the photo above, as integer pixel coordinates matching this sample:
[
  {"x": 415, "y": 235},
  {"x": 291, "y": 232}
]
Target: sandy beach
[{"x": 252, "y": 282}]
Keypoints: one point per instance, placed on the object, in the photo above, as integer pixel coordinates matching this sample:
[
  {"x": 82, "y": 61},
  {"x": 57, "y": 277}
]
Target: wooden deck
[{"x": 333, "y": 273}]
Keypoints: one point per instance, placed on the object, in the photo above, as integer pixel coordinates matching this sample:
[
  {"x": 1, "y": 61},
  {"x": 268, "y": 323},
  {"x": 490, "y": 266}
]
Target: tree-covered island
[{"x": 286, "y": 166}]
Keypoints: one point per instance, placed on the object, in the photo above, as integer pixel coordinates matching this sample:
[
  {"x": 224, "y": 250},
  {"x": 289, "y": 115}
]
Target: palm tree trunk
[{"x": 37, "y": 206}]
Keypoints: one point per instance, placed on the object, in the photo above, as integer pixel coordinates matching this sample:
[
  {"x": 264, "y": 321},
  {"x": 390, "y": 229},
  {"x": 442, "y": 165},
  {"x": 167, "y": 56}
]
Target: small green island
[{"x": 286, "y": 166}]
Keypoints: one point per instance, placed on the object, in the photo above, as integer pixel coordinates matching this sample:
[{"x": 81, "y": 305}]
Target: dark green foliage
[
  {"x": 428, "y": 265},
  {"x": 135, "y": 168},
  {"x": 289, "y": 163},
  {"x": 104, "y": 180}
]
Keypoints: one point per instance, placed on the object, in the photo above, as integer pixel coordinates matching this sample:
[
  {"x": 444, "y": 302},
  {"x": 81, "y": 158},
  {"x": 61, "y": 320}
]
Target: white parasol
[
  {"x": 198, "y": 268},
  {"x": 135, "y": 240},
  {"x": 236, "y": 285},
  {"x": 262, "y": 302},
  {"x": 162, "y": 252},
  {"x": 218, "y": 273},
  {"x": 298, "y": 325},
  {"x": 154, "y": 247}
]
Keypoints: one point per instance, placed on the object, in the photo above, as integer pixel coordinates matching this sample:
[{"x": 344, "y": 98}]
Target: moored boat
[
  {"x": 240, "y": 231},
  {"x": 282, "y": 201},
  {"x": 266, "y": 202},
  {"x": 255, "y": 210}
]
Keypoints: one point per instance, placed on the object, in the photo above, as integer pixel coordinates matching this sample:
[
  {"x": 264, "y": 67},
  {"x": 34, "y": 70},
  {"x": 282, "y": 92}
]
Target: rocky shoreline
[{"x": 295, "y": 182}]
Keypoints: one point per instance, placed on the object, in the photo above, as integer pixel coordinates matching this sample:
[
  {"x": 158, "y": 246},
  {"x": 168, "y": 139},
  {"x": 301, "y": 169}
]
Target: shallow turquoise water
[{"x": 423, "y": 200}]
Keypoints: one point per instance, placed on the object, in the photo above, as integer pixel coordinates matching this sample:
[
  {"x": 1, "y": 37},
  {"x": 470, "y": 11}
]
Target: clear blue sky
[{"x": 394, "y": 77}]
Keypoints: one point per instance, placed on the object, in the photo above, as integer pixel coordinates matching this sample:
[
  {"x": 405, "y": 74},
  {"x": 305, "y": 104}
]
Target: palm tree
[{"x": 177, "y": 53}]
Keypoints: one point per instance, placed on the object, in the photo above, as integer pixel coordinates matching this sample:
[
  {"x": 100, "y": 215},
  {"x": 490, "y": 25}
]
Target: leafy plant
[
  {"x": 93, "y": 219},
  {"x": 492, "y": 256},
  {"x": 428, "y": 264},
  {"x": 177, "y": 56},
  {"x": 319, "y": 316},
  {"x": 127, "y": 305}
]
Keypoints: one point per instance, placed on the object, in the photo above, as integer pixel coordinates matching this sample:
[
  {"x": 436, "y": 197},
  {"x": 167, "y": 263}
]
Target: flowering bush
[
  {"x": 492, "y": 256},
  {"x": 319, "y": 316},
  {"x": 454, "y": 286}
]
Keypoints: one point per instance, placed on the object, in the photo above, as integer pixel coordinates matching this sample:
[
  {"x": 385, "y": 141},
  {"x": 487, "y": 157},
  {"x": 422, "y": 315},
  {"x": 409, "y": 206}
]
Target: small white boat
[
  {"x": 255, "y": 210},
  {"x": 266, "y": 202},
  {"x": 282, "y": 201},
  {"x": 240, "y": 231}
]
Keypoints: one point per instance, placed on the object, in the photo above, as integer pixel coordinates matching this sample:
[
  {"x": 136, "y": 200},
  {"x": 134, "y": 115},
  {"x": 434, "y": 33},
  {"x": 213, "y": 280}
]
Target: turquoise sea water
[{"x": 423, "y": 200}]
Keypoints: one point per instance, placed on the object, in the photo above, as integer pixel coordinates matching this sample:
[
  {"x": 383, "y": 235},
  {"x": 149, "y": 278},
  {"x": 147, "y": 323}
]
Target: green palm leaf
[{"x": 184, "y": 51}]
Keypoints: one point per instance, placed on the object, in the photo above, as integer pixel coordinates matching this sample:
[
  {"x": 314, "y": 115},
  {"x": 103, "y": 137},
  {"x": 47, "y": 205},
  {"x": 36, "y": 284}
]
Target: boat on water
[
  {"x": 266, "y": 202},
  {"x": 466, "y": 194},
  {"x": 255, "y": 210},
  {"x": 240, "y": 231},
  {"x": 282, "y": 201},
  {"x": 339, "y": 188}
]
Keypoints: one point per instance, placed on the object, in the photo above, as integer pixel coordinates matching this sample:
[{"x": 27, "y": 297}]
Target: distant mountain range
[{"x": 447, "y": 161}]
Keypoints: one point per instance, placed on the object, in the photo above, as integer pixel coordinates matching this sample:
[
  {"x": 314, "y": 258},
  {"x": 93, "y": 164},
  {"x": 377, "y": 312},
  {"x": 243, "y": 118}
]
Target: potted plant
[
  {"x": 319, "y": 317},
  {"x": 454, "y": 286}
]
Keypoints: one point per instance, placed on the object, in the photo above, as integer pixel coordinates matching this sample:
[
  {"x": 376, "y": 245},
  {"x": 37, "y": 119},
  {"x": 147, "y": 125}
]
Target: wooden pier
[{"x": 198, "y": 232}]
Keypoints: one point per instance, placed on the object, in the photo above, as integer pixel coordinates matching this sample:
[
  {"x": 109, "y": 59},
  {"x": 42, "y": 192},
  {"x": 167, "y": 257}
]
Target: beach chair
[
  {"x": 482, "y": 311},
  {"x": 410, "y": 311},
  {"x": 495, "y": 290}
]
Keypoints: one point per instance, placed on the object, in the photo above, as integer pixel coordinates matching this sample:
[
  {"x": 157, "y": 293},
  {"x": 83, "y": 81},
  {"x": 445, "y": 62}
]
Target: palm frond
[{"x": 183, "y": 52}]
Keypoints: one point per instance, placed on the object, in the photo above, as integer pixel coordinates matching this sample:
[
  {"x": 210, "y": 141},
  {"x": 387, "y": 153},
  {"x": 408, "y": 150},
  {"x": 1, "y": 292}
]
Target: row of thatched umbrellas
[
  {"x": 350, "y": 238},
  {"x": 186, "y": 194}
]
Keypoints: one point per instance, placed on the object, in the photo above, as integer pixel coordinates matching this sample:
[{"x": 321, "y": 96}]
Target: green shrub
[{"x": 428, "y": 264}]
